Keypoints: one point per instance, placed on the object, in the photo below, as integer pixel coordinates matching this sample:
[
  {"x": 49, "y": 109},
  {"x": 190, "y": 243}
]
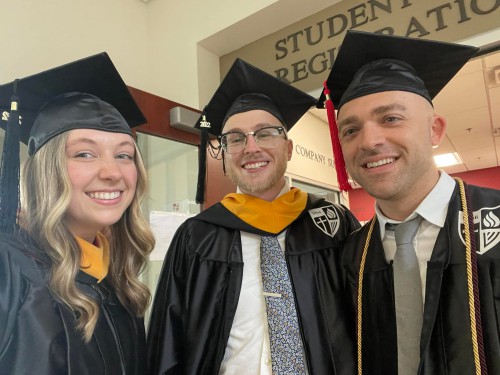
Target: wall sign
[{"x": 303, "y": 52}]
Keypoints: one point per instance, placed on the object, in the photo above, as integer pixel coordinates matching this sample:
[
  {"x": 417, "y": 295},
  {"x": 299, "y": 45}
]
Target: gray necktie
[
  {"x": 408, "y": 297},
  {"x": 284, "y": 333}
]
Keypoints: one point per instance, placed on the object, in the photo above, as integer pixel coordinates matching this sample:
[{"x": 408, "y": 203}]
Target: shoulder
[
  {"x": 484, "y": 194},
  {"x": 207, "y": 220},
  {"x": 19, "y": 252},
  {"x": 14, "y": 249},
  {"x": 315, "y": 201},
  {"x": 354, "y": 244},
  {"x": 18, "y": 271},
  {"x": 359, "y": 236},
  {"x": 321, "y": 224},
  {"x": 318, "y": 207},
  {"x": 204, "y": 235},
  {"x": 485, "y": 203}
]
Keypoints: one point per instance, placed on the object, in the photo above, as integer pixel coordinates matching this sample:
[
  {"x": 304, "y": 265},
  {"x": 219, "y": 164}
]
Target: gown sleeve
[
  {"x": 11, "y": 294},
  {"x": 352, "y": 223},
  {"x": 165, "y": 333}
]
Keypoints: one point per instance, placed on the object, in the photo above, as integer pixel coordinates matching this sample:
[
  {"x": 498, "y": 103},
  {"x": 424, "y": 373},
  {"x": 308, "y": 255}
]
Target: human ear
[
  {"x": 438, "y": 129},
  {"x": 289, "y": 149}
]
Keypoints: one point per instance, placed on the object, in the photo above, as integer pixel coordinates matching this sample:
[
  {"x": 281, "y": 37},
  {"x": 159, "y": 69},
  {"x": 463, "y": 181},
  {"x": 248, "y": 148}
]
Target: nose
[
  {"x": 371, "y": 136},
  {"x": 251, "y": 145},
  {"x": 109, "y": 169}
]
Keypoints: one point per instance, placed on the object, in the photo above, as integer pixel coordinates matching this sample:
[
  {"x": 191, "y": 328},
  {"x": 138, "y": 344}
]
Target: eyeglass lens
[{"x": 268, "y": 138}]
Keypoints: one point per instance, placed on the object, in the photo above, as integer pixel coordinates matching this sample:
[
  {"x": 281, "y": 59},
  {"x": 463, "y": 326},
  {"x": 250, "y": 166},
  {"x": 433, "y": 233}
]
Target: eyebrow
[
  {"x": 387, "y": 108},
  {"x": 347, "y": 121},
  {"x": 376, "y": 111}
]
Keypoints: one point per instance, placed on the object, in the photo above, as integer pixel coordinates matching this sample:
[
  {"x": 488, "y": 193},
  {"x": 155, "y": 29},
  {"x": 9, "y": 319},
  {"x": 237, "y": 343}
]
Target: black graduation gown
[
  {"x": 446, "y": 345},
  {"x": 200, "y": 283},
  {"x": 37, "y": 332}
]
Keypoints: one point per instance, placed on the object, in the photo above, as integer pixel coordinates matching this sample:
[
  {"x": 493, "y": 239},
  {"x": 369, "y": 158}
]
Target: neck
[
  {"x": 87, "y": 236},
  {"x": 399, "y": 208},
  {"x": 269, "y": 194}
]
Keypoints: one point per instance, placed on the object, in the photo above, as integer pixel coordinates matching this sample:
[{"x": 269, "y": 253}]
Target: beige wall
[
  {"x": 175, "y": 28},
  {"x": 38, "y": 34},
  {"x": 187, "y": 38},
  {"x": 153, "y": 45},
  {"x": 169, "y": 48},
  {"x": 312, "y": 151}
]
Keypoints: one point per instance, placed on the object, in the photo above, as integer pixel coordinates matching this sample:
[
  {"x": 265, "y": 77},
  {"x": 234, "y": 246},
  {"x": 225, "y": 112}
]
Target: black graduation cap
[
  {"x": 85, "y": 94},
  {"x": 368, "y": 63},
  {"x": 245, "y": 88},
  {"x": 95, "y": 75}
]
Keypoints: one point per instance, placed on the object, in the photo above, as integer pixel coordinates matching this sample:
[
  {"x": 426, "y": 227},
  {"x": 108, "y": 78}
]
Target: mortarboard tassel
[
  {"x": 202, "y": 161},
  {"x": 337, "y": 150},
  {"x": 9, "y": 178}
]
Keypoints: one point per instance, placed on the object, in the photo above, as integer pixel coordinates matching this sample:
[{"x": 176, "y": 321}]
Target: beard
[{"x": 255, "y": 186}]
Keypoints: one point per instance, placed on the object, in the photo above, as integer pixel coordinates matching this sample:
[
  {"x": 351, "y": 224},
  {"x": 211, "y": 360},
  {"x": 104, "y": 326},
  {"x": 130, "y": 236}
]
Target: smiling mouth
[
  {"x": 104, "y": 195},
  {"x": 379, "y": 163},
  {"x": 255, "y": 165}
]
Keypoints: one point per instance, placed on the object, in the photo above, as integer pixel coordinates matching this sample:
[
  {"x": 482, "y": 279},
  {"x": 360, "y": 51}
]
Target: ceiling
[{"x": 471, "y": 104}]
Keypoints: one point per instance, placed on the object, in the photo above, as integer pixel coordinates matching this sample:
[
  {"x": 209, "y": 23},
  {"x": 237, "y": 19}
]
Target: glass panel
[
  {"x": 172, "y": 169},
  {"x": 329, "y": 194},
  {"x": 172, "y": 172}
]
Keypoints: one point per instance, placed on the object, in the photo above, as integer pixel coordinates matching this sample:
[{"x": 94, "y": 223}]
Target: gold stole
[
  {"x": 95, "y": 257},
  {"x": 271, "y": 217}
]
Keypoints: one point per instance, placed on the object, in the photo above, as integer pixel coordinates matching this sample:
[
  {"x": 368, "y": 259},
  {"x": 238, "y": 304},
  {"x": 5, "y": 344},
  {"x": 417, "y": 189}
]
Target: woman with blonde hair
[{"x": 71, "y": 301}]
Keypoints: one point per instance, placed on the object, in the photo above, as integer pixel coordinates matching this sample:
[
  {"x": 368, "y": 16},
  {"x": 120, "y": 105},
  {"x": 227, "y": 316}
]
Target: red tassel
[{"x": 338, "y": 157}]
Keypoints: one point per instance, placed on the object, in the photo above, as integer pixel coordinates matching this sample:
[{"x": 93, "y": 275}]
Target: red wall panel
[{"x": 362, "y": 205}]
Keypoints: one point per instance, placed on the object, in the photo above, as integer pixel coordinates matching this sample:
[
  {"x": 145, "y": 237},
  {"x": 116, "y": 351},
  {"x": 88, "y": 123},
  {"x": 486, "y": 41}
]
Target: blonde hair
[{"x": 45, "y": 196}]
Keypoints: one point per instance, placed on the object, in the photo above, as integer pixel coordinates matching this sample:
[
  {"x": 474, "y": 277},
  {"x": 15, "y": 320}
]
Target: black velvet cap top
[
  {"x": 246, "y": 88},
  {"x": 368, "y": 63},
  {"x": 88, "y": 93}
]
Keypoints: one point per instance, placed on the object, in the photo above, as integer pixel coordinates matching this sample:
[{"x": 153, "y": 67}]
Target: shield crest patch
[
  {"x": 326, "y": 218},
  {"x": 486, "y": 228}
]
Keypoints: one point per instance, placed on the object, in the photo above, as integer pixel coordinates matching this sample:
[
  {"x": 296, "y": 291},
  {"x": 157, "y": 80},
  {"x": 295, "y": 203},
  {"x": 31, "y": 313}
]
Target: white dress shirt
[
  {"x": 248, "y": 350},
  {"x": 433, "y": 210}
]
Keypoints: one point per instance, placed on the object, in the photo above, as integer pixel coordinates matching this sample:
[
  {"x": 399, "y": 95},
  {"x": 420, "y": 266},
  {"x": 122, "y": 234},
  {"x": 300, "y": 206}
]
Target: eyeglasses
[{"x": 234, "y": 141}]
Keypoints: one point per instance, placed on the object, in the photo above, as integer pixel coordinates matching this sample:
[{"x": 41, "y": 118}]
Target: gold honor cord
[
  {"x": 360, "y": 295},
  {"x": 470, "y": 284}
]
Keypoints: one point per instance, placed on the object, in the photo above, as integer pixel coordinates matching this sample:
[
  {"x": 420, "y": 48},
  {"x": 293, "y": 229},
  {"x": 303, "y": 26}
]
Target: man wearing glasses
[
  {"x": 250, "y": 285},
  {"x": 265, "y": 146}
]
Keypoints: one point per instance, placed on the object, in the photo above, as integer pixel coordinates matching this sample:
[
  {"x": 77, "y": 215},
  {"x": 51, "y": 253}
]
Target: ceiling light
[{"x": 446, "y": 160}]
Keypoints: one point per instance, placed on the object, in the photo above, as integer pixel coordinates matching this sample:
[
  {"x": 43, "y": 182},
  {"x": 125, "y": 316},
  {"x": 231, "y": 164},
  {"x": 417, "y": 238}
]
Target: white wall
[
  {"x": 188, "y": 36},
  {"x": 154, "y": 45},
  {"x": 39, "y": 34},
  {"x": 175, "y": 28}
]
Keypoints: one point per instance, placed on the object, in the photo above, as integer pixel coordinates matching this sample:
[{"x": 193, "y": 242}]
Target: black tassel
[
  {"x": 202, "y": 161},
  {"x": 9, "y": 178}
]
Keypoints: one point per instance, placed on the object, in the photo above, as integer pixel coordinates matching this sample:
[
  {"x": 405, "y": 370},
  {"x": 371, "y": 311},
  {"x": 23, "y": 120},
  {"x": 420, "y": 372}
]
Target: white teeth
[
  {"x": 105, "y": 196},
  {"x": 380, "y": 162},
  {"x": 255, "y": 165}
]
